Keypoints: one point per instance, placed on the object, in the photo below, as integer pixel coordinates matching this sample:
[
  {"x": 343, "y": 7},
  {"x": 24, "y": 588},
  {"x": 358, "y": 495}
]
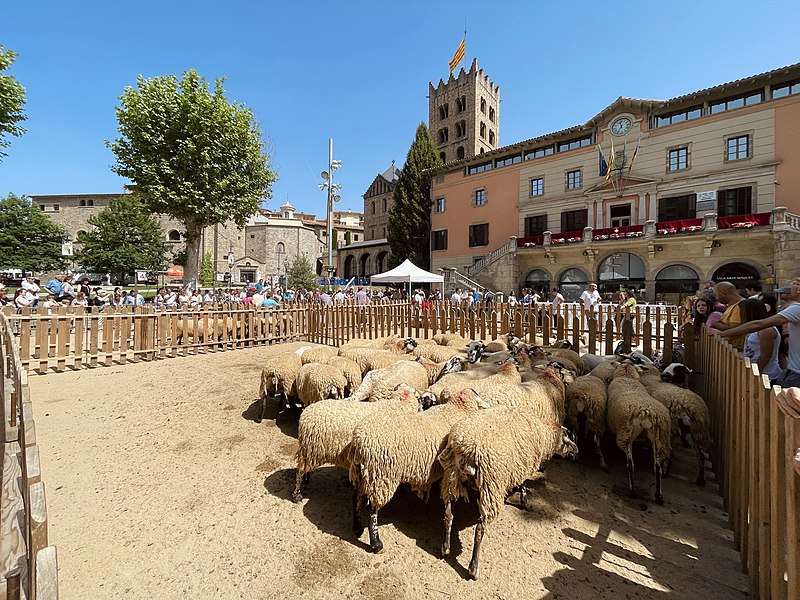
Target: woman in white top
[{"x": 761, "y": 347}]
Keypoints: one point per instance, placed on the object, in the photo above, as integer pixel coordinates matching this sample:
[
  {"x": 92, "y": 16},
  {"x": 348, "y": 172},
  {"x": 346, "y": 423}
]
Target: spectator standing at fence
[
  {"x": 591, "y": 300},
  {"x": 31, "y": 287},
  {"x": 705, "y": 313},
  {"x": 761, "y": 347},
  {"x": 84, "y": 287},
  {"x": 727, "y": 293},
  {"x": 55, "y": 284},
  {"x": 512, "y": 299},
  {"x": 325, "y": 297},
  {"x": 134, "y": 298},
  {"x": 455, "y": 298},
  {"x": 556, "y": 299},
  {"x": 361, "y": 296},
  {"x": 20, "y": 300},
  {"x": 753, "y": 290},
  {"x": 338, "y": 297},
  {"x": 67, "y": 290},
  {"x": 790, "y": 376}
]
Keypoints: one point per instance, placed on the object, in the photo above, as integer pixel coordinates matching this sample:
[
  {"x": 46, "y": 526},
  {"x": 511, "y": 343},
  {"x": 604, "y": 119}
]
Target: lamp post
[
  {"x": 333, "y": 196},
  {"x": 286, "y": 273},
  {"x": 231, "y": 260}
]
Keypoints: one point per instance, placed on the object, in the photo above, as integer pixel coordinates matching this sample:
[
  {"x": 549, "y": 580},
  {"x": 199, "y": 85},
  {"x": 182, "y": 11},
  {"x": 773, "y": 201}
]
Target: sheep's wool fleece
[
  {"x": 453, "y": 383},
  {"x": 349, "y": 368},
  {"x": 286, "y": 368},
  {"x": 505, "y": 446},
  {"x": 437, "y": 353},
  {"x": 314, "y": 381},
  {"x": 681, "y": 401},
  {"x": 390, "y": 449},
  {"x": 319, "y": 354},
  {"x": 326, "y": 428},
  {"x": 631, "y": 409},
  {"x": 545, "y": 393},
  {"x": 587, "y": 395},
  {"x": 380, "y": 383}
]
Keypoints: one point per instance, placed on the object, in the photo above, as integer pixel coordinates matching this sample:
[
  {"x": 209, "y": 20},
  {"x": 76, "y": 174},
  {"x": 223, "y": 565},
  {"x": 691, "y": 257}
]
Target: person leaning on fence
[
  {"x": 790, "y": 316},
  {"x": 728, "y": 295},
  {"x": 55, "y": 284},
  {"x": 4, "y": 299},
  {"x": 67, "y": 290}
]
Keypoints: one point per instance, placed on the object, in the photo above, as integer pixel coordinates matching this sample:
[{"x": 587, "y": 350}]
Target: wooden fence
[
  {"x": 754, "y": 446},
  {"x": 77, "y": 337},
  {"x": 28, "y": 564}
]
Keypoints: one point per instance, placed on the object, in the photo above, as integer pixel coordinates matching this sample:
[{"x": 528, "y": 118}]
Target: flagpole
[{"x": 465, "y": 41}]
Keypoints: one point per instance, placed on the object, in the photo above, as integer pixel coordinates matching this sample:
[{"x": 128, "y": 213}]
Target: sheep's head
[
  {"x": 536, "y": 352},
  {"x": 407, "y": 393},
  {"x": 568, "y": 448},
  {"x": 332, "y": 393},
  {"x": 676, "y": 373},
  {"x": 475, "y": 351},
  {"x": 454, "y": 365},
  {"x": 428, "y": 399},
  {"x": 566, "y": 344},
  {"x": 408, "y": 344},
  {"x": 508, "y": 365}
]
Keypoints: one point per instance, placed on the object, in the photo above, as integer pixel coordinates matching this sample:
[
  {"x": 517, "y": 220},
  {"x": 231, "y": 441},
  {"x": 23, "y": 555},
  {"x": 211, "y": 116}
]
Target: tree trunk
[{"x": 191, "y": 274}]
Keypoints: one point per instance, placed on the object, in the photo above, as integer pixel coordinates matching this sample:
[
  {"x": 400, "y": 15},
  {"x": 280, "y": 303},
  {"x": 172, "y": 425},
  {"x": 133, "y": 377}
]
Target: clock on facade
[{"x": 621, "y": 126}]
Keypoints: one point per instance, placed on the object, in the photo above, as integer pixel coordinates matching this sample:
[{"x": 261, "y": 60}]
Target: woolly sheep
[
  {"x": 587, "y": 397},
  {"x": 689, "y": 415},
  {"x": 495, "y": 451},
  {"x": 380, "y": 382},
  {"x": 279, "y": 378},
  {"x": 631, "y": 412},
  {"x": 317, "y": 382},
  {"x": 496, "y": 345},
  {"x": 369, "y": 357},
  {"x": 351, "y": 371},
  {"x": 450, "y": 385},
  {"x": 444, "y": 338},
  {"x": 438, "y": 353},
  {"x": 545, "y": 394},
  {"x": 318, "y": 354},
  {"x": 390, "y": 449},
  {"x": 605, "y": 371},
  {"x": 325, "y": 429}
]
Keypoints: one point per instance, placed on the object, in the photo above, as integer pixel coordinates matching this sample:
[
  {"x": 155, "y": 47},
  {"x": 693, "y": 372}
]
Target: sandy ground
[{"x": 160, "y": 485}]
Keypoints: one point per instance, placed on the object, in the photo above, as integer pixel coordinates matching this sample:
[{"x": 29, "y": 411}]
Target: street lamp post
[
  {"x": 231, "y": 260},
  {"x": 285, "y": 273},
  {"x": 333, "y": 196}
]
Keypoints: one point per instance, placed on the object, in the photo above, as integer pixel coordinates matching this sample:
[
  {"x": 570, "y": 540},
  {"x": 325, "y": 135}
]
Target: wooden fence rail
[
  {"x": 78, "y": 337},
  {"x": 29, "y": 565},
  {"x": 754, "y": 446}
]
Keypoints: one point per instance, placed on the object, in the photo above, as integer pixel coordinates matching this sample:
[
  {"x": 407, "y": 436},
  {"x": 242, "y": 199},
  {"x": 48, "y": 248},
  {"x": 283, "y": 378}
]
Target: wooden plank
[
  {"x": 592, "y": 341},
  {"x": 778, "y": 467},
  {"x": 108, "y": 339},
  {"x": 94, "y": 337},
  {"x": 608, "y": 336},
  {"x": 79, "y": 336},
  {"x": 62, "y": 340},
  {"x": 764, "y": 489},
  {"x": 47, "y": 574},
  {"x": 13, "y": 548},
  {"x": 792, "y": 445},
  {"x": 43, "y": 327}
]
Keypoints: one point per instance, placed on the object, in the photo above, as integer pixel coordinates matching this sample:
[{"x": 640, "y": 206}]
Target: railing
[
  {"x": 492, "y": 257},
  {"x": 454, "y": 279},
  {"x": 617, "y": 233},
  {"x": 793, "y": 220},
  {"x": 29, "y": 565},
  {"x": 753, "y": 447}
]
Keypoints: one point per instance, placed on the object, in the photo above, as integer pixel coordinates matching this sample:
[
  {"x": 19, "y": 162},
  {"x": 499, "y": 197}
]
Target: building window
[
  {"x": 737, "y": 102},
  {"x": 480, "y": 197},
  {"x": 491, "y": 137},
  {"x": 574, "y": 220},
  {"x": 575, "y": 144},
  {"x": 90, "y": 203},
  {"x": 737, "y": 201},
  {"x": 737, "y": 148},
  {"x": 385, "y": 204},
  {"x": 461, "y": 129},
  {"x": 479, "y": 235},
  {"x": 174, "y": 236},
  {"x": 574, "y": 179},
  {"x": 786, "y": 89},
  {"x": 535, "y": 225},
  {"x": 537, "y": 186},
  {"x": 540, "y": 152},
  {"x": 56, "y": 207},
  {"x": 444, "y": 111},
  {"x": 41, "y": 206},
  {"x": 461, "y": 104},
  {"x": 508, "y": 160},
  {"x": 460, "y": 152},
  {"x": 355, "y": 237},
  {"x": 439, "y": 240},
  {"x": 473, "y": 169},
  {"x": 443, "y": 156},
  {"x": 483, "y": 129},
  {"x": 82, "y": 203},
  {"x": 483, "y": 105},
  {"x": 620, "y": 215},
  {"x": 439, "y": 205},
  {"x": 373, "y": 207},
  {"x": 678, "y": 159},
  {"x": 677, "y": 208},
  {"x": 491, "y": 114},
  {"x": 676, "y": 117},
  {"x": 444, "y": 135},
  {"x": 280, "y": 248}
]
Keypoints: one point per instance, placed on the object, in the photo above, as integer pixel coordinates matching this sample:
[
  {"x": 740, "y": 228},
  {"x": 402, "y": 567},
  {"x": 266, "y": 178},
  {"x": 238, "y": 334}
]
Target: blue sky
[{"x": 359, "y": 72}]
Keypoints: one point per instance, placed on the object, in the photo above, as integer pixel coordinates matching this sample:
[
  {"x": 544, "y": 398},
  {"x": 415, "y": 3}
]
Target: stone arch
[
  {"x": 348, "y": 266},
  {"x": 280, "y": 248},
  {"x": 571, "y": 283},
  {"x": 675, "y": 281},
  {"x": 621, "y": 268},
  {"x": 460, "y": 152},
  {"x": 739, "y": 272},
  {"x": 539, "y": 280},
  {"x": 380, "y": 262},
  {"x": 174, "y": 235}
]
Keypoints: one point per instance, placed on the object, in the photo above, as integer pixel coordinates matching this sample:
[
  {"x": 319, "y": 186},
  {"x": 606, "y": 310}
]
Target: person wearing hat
[
  {"x": 591, "y": 299},
  {"x": 790, "y": 376},
  {"x": 361, "y": 296}
]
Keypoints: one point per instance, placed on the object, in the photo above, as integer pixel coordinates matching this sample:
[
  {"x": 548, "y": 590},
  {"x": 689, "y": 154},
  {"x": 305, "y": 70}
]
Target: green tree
[
  {"x": 301, "y": 275},
  {"x": 207, "y": 271},
  {"x": 409, "y": 230},
  {"x": 122, "y": 237},
  {"x": 28, "y": 239},
  {"x": 12, "y": 99},
  {"x": 347, "y": 238},
  {"x": 191, "y": 154}
]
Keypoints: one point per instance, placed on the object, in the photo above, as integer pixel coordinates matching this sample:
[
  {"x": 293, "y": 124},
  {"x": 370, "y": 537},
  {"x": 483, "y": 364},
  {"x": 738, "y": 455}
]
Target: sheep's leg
[
  {"x": 629, "y": 465},
  {"x": 599, "y": 451},
  {"x": 448, "y": 526},
  {"x": 299, "y": 479},
  {"x": 474, "y": 570},
  {"x": 358, "y": 526},
  {"x": 374, "y": 540},
  {"x": 657, "y": 468},
  {"x": 701, "y": 464},
  {"x": 685, "y": 432},
  {"x": 667, "y": 464},
  {"x": 264, "y": 400}
]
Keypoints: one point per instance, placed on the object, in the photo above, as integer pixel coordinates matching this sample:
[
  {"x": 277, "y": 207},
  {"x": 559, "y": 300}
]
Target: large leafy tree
[
  {"x": 191, "y": 154},
  {"x": 28, "y": 239},
  {"x": 409, "y": 230},
  {"x": 301, "y": 275},
  {"x": 12, "y": 99},
  {"x": 123, "y": 237}
]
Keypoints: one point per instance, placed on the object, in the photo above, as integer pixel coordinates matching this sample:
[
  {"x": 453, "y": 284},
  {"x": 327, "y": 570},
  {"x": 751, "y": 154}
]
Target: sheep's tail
[{"x": 451, "y": 485}]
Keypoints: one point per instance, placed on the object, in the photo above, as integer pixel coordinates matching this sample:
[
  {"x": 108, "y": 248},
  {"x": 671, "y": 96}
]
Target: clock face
[{"x": 621, "y": 126}]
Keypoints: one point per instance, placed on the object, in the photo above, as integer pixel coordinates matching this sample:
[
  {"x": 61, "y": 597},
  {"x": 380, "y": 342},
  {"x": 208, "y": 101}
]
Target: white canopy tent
[{"x": 407, "y": 272}]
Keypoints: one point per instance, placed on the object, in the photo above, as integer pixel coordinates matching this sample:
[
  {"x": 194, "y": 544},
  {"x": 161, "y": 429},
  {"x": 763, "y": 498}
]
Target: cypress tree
[{"x": 409, "y": 230}]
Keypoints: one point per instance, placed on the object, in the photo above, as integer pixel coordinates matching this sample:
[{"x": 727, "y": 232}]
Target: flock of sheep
[{"x": 472, "y": 415}]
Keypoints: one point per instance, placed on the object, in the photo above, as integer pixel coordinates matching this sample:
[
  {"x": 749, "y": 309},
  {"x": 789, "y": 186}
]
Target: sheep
[
  {"x": 437, "y": 353},
  {"x": 496, "y": 345},
  {"x": 398, "y": 345},
  {"x": 545, "y": 392},
  {"x": 214, "y": 330},
  {"x": 279, "y": 378},
  {"x": 318, "y": 354},
  {"x": 369, "y": 357},
  {"x": 475, "y": 379},
  {"x": 567, "y": 358},
  {"x": 351, "y": 371},
  {"x": 390, "y": 449},
  {"x": 444, "y": 338},
  {"x": 495, "y": 451},
  {"x": 458, "y": 342},
  {"x": 380, "y": 359},
  {"x": 605, "y": 371},
  {"x": 689, "y": 415},
  {"x": 380, "y": 382},
  {"x": 325, "y": 429},
  {"x": 438, "y": 370},
  {"x": 590, "y": 361},
  {"x": 317, "y": 382},
  {"x": 631, "y": 412},
  {"x": 586, "y": 410}
]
